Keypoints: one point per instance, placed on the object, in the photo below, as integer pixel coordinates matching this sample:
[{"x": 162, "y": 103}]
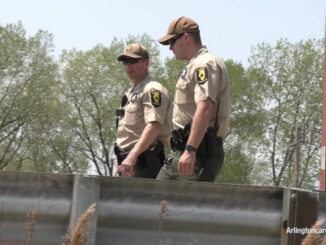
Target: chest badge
[
  {"x": 183, "y": 72},
  {"x": 202, "y": 75},
  {"x": 156, "y": 98},
  {"x": 134, "y": 98}
]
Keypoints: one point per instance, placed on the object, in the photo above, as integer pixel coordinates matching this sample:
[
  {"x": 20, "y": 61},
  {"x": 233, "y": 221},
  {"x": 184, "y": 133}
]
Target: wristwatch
[{"x": 190, "y": 148}]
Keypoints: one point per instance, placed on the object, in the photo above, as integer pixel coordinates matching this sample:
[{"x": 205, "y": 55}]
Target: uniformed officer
[
  {"x": 201, "y": 107},
  {"x": 143, "y": 118}
]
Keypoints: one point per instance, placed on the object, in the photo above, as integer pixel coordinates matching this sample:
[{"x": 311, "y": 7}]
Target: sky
[{"x": 229, "y": 28}]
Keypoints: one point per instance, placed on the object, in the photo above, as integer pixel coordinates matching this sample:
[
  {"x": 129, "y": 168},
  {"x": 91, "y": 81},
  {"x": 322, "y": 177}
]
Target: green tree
[
  {"x": 60, "y": 117},
  {"x": 288, "y": 81},
  {"x": 172, "y": 69},
  {"x": 93, "y": 79},
  {"x": 32, "y": 113},
  {"x": 245, "y": 128},
  {"x": 26, "y": 73}
]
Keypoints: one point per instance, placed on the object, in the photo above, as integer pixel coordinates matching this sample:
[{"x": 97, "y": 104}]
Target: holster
[
  {"x": 153, "y": 158},
  {"x": 180, "y": 137},
  {"x": 119, "y": 154}
]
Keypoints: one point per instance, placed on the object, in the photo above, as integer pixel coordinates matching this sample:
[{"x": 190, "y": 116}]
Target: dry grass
[
  {"x": 31, "y": 221},
  {"x": 162, "y": 214},
  {"x": 80, "y": 234},
  {"x": 315, "y": 238}
]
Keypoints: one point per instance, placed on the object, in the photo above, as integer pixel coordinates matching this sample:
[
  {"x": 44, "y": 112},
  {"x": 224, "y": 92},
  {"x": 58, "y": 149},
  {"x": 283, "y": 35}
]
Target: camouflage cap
[
  {"x": 134, "y": 51},
  {"x": 177, "y": 26}
]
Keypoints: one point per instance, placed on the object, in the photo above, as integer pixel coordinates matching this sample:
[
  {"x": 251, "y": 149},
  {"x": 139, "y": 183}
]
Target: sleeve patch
[
  {"x": 202, "y": 75},
  {"x": 156, "y": 98}
]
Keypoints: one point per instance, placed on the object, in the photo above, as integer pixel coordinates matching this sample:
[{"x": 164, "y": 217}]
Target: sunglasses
[
  {"x": 130, "y": 61},
  {"x": 173, "y": 40}
]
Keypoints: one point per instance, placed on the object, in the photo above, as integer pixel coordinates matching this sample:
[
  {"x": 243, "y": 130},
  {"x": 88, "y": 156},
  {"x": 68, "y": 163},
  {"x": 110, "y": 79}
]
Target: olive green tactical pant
[{"x": 206, "y": 167}]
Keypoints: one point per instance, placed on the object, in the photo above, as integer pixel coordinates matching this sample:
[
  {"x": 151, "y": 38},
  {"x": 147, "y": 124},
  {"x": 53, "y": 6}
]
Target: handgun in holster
[
  {"x": 120, "y": 155},
  {"x": 153, "y": 157},
  {"x": 179, "y": 138}
]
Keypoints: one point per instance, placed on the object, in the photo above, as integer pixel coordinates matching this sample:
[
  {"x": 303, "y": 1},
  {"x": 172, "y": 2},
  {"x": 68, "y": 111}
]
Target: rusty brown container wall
[{"x": 323, "y": 126}]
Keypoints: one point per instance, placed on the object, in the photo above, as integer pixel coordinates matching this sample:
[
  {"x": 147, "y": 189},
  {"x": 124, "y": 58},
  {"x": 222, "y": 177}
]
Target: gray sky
[{"x": 229, "y": 28}]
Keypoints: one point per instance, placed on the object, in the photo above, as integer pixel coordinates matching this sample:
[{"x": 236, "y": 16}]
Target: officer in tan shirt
[
  {"x": 201, "y": 107},
  {"x": 143, "y": 118}
]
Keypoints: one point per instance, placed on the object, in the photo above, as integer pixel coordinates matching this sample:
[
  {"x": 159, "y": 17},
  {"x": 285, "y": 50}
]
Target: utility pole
[{"x": 323, "y": 128}]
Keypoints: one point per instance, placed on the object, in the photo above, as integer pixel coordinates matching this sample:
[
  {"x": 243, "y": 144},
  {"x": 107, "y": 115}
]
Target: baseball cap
[
  {"x": 178, "y": 26},
  {"x": 134, "y": 51}
]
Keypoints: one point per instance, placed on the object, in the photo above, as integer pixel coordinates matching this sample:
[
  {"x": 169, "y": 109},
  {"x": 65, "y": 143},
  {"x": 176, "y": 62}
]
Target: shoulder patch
[
  {"x": 156, "y": 98},
  {"x": 202, "y": 75}
]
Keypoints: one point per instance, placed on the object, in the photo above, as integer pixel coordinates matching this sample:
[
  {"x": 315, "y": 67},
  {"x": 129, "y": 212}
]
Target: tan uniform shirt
[
  {"x": 148, "y": 102},
  {"x": 205, "y": 76}
]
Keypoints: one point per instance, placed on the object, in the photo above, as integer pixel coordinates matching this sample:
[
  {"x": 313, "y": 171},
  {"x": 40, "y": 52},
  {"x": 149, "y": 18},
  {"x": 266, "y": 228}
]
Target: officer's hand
[
  {"x": 127, "y": 166},
  {"x": 186, "y": 164}
]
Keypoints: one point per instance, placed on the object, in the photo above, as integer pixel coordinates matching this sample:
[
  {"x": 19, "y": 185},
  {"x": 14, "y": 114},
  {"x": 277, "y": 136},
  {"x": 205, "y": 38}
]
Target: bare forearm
[
  {"x": 150, "y": 133},
  {"x": 199, "y": 126},
  {"x": 200, "y": 122}
]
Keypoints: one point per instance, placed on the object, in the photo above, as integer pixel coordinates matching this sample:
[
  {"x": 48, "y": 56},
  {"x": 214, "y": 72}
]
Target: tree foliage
[
  {"x": 27, "y": 81},
  {"x": 291, "y": 83},
  {"x": 282, "y": 88},
  {"x": 59, "y": 116},
  {"x": 239, "y": 145}
]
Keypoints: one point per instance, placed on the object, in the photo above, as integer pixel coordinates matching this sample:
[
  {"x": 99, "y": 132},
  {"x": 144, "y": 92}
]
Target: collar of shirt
[
  {"x": 141, "y": 85},
  {"x": 202, "y": 50}
]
